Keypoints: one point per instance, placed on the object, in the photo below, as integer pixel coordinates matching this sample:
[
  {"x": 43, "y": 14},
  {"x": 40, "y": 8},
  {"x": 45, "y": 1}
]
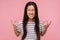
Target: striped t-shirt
[{"x": 31, "y": 34}]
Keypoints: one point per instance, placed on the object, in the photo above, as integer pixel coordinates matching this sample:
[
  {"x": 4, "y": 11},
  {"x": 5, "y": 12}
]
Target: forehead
[{"x": 30, "y": 7}]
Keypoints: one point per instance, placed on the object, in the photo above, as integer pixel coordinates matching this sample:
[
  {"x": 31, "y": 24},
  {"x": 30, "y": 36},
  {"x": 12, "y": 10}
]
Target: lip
[{"x": 31, "y": 15}]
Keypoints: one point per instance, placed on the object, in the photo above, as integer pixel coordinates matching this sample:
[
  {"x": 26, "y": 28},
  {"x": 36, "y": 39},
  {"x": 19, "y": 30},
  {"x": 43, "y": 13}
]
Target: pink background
[{"x": 14, "y": 9}]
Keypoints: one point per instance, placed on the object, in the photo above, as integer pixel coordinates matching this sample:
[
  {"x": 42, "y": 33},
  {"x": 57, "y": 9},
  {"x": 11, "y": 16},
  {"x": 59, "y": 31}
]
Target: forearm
[
  {"x": 45, "y": 29},
  {"x": 15, "y": 31}
]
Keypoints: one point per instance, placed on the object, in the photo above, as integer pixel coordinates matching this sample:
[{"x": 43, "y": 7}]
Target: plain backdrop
[{"x": 14, "y": 10}]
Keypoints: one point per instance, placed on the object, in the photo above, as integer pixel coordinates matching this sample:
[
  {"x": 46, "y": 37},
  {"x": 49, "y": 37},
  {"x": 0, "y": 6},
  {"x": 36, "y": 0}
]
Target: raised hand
[
  {"x": 47, "y": 23},
  {"x": 14, "y": 24}
]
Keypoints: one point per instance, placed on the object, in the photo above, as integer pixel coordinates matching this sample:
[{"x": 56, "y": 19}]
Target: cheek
[
  {"x": 33, "y": 13},
  {"x": 28, "y": 13}
]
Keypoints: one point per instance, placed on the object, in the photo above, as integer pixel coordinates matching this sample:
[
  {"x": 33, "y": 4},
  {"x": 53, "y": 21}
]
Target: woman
[{"x": 30, "y": 28}]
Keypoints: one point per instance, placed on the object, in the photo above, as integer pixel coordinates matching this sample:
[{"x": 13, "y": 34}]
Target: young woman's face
[{"x": 31, "y": 11}]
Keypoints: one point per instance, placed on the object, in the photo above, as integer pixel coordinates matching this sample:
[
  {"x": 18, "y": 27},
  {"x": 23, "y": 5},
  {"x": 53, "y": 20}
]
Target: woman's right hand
[{"x": 14, "y": 24}]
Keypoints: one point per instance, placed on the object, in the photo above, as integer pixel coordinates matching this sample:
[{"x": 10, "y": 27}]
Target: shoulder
[
  {"x": 40, "y": 21},
  {"x": 20, "y": 21}
]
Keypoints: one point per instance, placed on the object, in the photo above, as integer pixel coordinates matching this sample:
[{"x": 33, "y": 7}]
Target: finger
[
  {"x": 11, "y": 22},
  {"x": 45, "y": 22},
  {"x": 49, "y": 23}
]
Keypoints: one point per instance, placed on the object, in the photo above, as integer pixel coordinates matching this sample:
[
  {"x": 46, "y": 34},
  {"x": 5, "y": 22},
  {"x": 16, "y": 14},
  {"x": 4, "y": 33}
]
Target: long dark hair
[{"x": 36, "y": 20}]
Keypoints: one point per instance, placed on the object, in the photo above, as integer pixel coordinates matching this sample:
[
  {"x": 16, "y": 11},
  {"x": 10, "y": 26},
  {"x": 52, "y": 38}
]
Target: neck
[{"x": 31, "y": 20}]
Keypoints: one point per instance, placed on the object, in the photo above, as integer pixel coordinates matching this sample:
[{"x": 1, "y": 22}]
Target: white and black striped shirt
[{"x": 31, "y": 35}]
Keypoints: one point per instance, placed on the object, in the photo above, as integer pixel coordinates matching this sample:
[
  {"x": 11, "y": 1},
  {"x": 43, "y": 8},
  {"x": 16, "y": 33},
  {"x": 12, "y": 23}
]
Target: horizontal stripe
[{"x": 30, "y": 29}]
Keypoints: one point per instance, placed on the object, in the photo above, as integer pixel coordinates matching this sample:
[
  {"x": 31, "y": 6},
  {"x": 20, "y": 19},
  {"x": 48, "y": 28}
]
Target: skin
[
  {"x": 31, "y": 14},
  {"x": 14, "y": 24}
]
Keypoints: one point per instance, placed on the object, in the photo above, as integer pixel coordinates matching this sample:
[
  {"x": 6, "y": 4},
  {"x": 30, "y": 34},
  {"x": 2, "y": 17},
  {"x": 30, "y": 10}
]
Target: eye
[
  {"x": 32, "y": 10},
  {"x": 28, "y": 9}
]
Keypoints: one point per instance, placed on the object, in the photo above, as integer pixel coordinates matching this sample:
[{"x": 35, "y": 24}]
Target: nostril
[{"x": 31, "y": 13}]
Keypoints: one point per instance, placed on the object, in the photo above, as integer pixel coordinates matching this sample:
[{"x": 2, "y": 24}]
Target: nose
[{"x": 31, "y": 14}]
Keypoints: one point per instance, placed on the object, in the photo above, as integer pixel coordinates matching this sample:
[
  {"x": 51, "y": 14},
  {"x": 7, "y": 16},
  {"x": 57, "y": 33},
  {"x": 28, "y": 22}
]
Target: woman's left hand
[{"x": 47, "y": 24}]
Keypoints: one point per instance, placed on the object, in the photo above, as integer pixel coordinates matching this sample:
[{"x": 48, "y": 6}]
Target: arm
[
  {"x": 45, "y": 28},
  {"x": 15, "y": 28}
]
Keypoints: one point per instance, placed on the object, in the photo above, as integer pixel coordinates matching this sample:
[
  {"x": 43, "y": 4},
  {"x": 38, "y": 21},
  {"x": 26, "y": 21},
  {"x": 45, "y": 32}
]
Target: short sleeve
[
  {"x": 19, "y": 26},
  {"x": 41, "y": 26}
]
